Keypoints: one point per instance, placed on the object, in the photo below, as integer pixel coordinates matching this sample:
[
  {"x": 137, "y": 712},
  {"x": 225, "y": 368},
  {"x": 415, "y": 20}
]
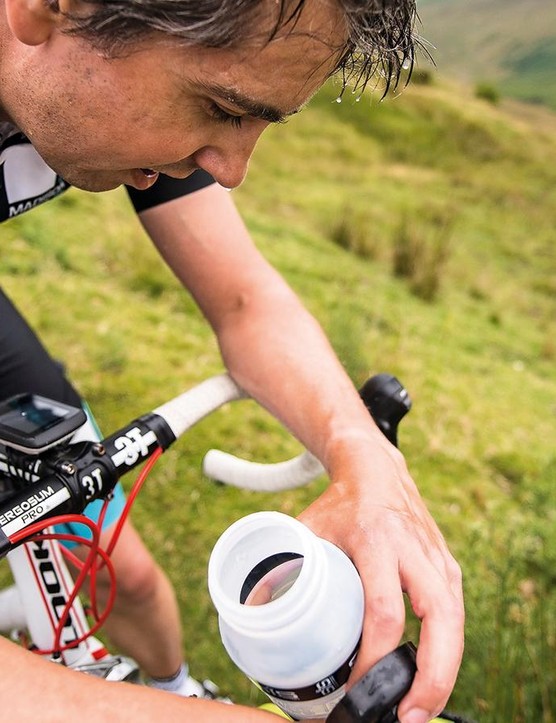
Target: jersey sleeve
[{"x": 167, "y": 189}]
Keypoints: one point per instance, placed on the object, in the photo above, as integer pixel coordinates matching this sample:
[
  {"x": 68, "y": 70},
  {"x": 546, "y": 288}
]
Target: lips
[{"x": 142, "y": 178}]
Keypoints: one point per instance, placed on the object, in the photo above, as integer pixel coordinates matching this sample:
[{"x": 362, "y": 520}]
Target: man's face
[{"x": 101, "y": 122}]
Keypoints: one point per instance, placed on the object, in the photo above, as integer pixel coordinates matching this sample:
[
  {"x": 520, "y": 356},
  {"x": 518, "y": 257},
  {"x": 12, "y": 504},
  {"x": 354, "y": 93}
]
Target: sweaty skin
[{"x": 98, "y": 121}]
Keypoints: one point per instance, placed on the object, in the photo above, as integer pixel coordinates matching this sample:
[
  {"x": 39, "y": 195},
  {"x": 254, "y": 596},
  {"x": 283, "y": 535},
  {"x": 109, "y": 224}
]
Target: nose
[{"x": 227, "y": 158}]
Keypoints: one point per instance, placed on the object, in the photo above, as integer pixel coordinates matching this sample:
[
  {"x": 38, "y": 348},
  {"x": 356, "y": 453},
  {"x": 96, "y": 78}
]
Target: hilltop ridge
[{"x": 508, "y": 43}]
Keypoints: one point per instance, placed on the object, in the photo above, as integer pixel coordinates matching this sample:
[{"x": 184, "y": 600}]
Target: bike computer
[{"x": 31, "y": 423}]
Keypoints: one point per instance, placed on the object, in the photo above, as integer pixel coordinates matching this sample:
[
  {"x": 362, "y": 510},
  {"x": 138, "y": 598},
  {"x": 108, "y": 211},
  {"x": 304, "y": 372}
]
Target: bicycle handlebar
[
  {"x": 185, "y": 411},
  {"x": 68, "y": 477},
  {"x": 386, "y": 400}
]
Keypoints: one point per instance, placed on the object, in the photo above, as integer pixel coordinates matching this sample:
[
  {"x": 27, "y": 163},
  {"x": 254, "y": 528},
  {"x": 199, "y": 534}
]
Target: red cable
[
  {"x": 89, "y": 566},
  {"x": 95, "y": 568},
  {"x": 100, "y": 552},
  {"x": 99, "y": 622},
  {"x": 131, "y": 498},
  {"x": 82, "y": 576},
  {"x": 78, "y": 564},
  {"x": 37, "y": 528},
  {"x": 110, "y": 567}
]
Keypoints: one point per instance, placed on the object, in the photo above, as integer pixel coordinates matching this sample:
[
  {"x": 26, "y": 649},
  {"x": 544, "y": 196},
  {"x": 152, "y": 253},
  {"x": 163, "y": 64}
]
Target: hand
[{"x": 373, "y": 511}]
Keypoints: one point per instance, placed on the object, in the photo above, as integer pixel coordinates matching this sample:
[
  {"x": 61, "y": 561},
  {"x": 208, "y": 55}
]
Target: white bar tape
[
  {"x": 186, "y": 410},
  {"x": 276, "y": 477}
]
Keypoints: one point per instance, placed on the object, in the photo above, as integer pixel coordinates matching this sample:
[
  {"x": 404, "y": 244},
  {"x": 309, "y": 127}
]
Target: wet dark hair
[{"x": 380, "y": 39}]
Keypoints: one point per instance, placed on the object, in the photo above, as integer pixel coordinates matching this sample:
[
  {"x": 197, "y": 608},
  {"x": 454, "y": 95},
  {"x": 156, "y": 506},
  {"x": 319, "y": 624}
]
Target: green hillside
[
  {"x": 508, "y": 43},
  {"x": 420, "y": 231}
]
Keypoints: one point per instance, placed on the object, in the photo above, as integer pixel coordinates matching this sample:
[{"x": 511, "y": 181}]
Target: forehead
[{"x": 282, "y": 70}]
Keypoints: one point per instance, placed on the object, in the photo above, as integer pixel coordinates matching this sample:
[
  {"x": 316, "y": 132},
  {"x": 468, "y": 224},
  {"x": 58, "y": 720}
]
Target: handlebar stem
[{"x": 78, "y": 474}]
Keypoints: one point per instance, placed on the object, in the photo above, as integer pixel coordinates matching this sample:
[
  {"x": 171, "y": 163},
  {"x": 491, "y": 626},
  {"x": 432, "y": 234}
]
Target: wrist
[{"x": 356, "y": 451}]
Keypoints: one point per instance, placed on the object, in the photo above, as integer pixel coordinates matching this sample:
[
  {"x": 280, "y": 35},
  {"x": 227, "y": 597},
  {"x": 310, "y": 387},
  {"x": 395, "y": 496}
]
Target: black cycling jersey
[{"x": 26, "y": 180}]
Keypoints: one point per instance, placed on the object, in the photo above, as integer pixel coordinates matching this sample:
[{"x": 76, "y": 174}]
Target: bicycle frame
[
  {"x": 43, "y": 586},
  {"x": 32, "y": 608}
]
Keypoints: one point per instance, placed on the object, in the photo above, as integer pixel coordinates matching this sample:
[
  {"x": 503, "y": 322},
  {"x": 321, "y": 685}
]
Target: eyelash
[{"x": 220, "y": 115}]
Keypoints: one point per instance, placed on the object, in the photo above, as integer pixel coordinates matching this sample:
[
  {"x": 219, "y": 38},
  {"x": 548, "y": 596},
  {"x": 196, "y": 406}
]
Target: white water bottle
[{"x": 290, "y": 608}]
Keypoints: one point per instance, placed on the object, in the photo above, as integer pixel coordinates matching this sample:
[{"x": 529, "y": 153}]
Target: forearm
[
  {"x": 57, "y": 693},
  {"x": 292, "y": 370},
  {"x": 271, "y": 345}
]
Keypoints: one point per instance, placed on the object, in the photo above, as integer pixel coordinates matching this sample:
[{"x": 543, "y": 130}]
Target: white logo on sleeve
[
  {"x": 28, "y": 181},
  {"x": 26, "y": 175}
]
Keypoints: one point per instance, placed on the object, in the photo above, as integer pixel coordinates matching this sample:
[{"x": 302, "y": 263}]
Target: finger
[
  {"x": 438, "y": 601},
  {"x": 384, "y": 619}
]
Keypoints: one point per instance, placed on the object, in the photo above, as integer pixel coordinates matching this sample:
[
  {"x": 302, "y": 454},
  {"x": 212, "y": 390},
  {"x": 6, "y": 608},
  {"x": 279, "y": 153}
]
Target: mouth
[{"x": 142, "y": 178}]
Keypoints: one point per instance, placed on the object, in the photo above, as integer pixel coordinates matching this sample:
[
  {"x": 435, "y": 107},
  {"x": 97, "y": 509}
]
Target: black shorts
[{"x": 25, "y": 365}]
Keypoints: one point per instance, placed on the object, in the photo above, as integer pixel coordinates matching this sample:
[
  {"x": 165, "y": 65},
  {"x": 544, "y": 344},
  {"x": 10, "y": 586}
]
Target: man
[{"x": 146, "y": 91}]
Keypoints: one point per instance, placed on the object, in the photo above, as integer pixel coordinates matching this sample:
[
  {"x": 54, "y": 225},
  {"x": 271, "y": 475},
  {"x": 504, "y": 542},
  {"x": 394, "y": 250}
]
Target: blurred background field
[
  {"x": 505, "y": 43},
  {"x": 420, "y": 231}
]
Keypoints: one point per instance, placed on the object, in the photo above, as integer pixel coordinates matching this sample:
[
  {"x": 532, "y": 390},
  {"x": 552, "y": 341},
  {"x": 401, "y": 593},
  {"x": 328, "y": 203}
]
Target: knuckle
[
  {"x": 439, "y": 690},
  {"x": 398, "y": 458},
  {"x": 453, "y": 610},
  {"x": 454, "y": 571},
  {"x": 385, "y": 614}
]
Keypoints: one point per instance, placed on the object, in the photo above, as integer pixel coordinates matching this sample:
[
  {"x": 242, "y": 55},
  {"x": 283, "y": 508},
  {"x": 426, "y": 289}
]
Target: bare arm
[
  {"x": 275, "y": 349},
  {"x": 58, "y": 693}
]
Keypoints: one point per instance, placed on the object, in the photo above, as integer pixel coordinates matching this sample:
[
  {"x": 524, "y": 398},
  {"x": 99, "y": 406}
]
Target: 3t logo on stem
[{"x": 132, "y": 446}]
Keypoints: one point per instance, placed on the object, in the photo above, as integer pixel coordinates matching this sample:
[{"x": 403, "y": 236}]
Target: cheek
[
  {"x": 124, "y": 134},
  {"x": 166, "y": 130}
]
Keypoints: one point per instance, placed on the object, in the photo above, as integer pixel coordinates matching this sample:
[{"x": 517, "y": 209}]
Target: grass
[{"x": 477, "y": 357}]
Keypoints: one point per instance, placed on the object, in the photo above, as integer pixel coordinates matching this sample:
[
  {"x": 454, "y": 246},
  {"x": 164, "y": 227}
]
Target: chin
[
  {"x": 84, "y": 178},
  {"x": 94, "y": 182}
]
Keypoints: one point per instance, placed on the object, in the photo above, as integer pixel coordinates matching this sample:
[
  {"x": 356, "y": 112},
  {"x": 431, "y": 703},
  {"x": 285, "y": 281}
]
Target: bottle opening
[{"x": 271, "y": 578}]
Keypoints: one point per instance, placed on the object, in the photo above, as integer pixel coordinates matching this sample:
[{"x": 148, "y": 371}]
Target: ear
[{"x": 32, "y": 21}]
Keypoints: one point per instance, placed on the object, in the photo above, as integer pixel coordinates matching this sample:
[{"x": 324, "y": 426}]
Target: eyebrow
[{"x": 252, "y": 107}]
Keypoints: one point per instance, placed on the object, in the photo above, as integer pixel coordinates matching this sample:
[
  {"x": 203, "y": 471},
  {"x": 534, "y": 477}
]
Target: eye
[{"x": 222, "y": 116}]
